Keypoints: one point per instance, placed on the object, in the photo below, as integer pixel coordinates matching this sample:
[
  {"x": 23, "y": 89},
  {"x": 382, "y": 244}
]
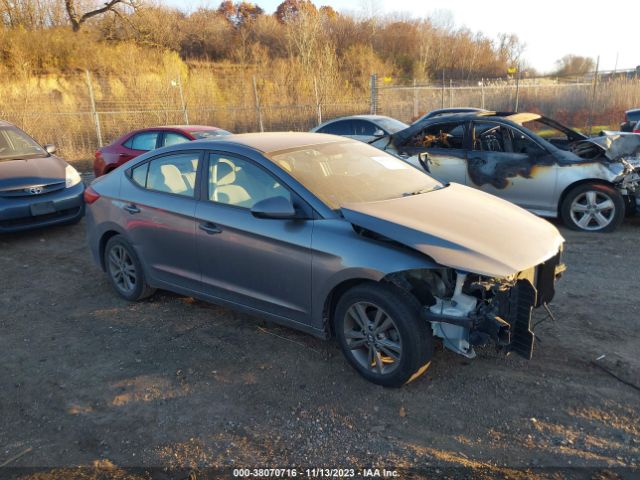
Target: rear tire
[
  {"x": 125, "y": 270},
  {"x": 381, "y": 334},
  {"x": 593, "y": 207}
]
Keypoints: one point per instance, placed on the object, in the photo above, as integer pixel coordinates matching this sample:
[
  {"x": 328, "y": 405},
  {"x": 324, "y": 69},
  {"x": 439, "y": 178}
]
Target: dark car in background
[
  {"x": 365, "y": 128},
  {"x": 140, "y": 141},
  {"x": 37, "y": 189},
  {"x": 631, "y": 118}
]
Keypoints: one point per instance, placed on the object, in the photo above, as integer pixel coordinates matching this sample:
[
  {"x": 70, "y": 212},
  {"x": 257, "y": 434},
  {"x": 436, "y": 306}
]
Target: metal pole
[
  {"x": 442, "y": 92},
  {"x": 374, "y": 94},
  {"x": 96, "y": 117},
  {"x": 482, "y": 92},
  {"x": 593, "y": 98},
  {"x": 415, "y": 100},
  {"x": 517, "y": 89},
  {"x": 258, "y": 109},
  {"x": 318, "y": 105},
  {"x": 450, "y": 92},
  {"x": 184, "y": 105}
]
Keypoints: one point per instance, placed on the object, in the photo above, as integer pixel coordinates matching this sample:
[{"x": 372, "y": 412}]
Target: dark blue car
[{"x": 37, "y": 189}]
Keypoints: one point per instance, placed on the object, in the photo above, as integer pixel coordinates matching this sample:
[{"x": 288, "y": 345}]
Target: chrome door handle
[
  {"x": 210, "y": 228},
  {"x": 131, "y": 208}
]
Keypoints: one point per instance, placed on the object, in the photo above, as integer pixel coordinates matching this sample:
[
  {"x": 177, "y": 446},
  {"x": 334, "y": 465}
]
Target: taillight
[
  {"x": 90, "y": 195},
  {"x": 98, "y": 154}
]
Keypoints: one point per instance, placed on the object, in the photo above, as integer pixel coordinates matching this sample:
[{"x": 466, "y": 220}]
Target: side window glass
[
  {"x": 342, "y": 127},
  {"x": 172, "y": 138},
  {"x": 234, "y": 181},
  {"x": 172, "y": 173},
  {"x": 143, "y": 141},
  {"x": 361, "y": 127},
  {"x": 139, "y": 174},
  {"x": 491, "y": 137},
  {"x": 440, "y": 135}
]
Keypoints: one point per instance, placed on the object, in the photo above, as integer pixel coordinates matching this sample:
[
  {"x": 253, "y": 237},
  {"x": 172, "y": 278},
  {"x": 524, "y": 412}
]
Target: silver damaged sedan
[{"x": 330, "y": 236}]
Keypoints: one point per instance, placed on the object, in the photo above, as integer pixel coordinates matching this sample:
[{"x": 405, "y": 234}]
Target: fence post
[
  {"x": 94, "y": 113},
  {"x": 450, "y": 92},
  {"x": 415, "y": 100},
  {"x": 184, "y": 105},
  {"x": 318, "y": 105},
  {"x": 515, "y": 109},
  {"x": 258, "y": 109},
  {"x": 482, "y": 93},
  {"x": 373, "y": 101},
  {"x": 442, "y": 91},
  {"x": 593, "y": 98}
]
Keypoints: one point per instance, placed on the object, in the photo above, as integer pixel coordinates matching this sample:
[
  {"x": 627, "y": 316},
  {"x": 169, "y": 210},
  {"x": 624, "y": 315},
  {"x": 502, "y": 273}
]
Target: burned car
[
  {"x": 529, "y": 160},
  {"x": 329, "y": 236}
]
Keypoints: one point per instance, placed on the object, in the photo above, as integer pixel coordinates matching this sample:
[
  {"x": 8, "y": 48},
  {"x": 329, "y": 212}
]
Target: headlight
[{"x": 72, "y": 177}]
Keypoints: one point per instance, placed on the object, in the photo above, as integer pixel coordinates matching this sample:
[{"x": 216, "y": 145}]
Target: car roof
[
  {"x": 5, "y": 124},
  {"x": 269, "y": 142}
]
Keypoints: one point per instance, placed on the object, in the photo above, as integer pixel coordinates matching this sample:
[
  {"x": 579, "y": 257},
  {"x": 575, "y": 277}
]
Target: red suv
[{"x": 139, "y": 141}]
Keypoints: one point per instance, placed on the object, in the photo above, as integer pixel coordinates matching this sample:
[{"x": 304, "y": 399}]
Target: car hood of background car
[
  {"x": 615, "y": 147},
  {"x": 462, "y": 228},
  {"x": 30, "y": 171}
]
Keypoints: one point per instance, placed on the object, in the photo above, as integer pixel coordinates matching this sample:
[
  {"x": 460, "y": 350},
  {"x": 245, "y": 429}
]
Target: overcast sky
[{"x": 550, "y": 28}]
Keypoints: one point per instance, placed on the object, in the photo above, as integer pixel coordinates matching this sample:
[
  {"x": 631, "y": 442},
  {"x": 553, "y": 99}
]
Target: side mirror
[
  {"x": 274, "y": 207},
  {"x": 49, "y": 148},
  {"x": 379, "y": 133}
]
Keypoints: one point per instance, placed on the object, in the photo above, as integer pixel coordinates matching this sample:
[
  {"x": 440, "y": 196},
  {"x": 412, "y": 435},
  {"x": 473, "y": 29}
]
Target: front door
[
  {"x": 506, "y": 162},
  {"x": 445, "y": 145},
  {"x": 256, "y": 262}
]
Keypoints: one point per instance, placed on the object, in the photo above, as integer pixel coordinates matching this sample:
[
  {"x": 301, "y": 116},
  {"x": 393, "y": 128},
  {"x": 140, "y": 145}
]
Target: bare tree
[{"x": 77, "y": 18}]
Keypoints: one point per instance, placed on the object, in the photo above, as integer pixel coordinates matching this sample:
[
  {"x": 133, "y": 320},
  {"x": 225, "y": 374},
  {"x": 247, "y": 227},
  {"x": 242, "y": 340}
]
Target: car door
[
  {"x": 507, "y": 162},
  {"x": 445, "y": 146},
  {"x": 138, "y": 144},
  {"x": 160, "y": 204},
  {"x": 260, "y": 263}
]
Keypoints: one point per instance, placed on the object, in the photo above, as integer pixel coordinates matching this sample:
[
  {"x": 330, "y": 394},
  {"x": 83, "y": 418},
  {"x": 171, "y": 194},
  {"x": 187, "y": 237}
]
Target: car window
[
  {"x": 174, "y": 173},
  {"x": 342, "y": 127},
  {"x": 362, "y": 127},
  {"x": 633, "y": 115},
  {"x": 493, "y": 137},
  {"x": 199, "y": 134},
  {"x": 143, "y": 141},
  {"x": 14, "y": 143},
  {"x": 172, "y": 138},
  {"x": 440, "y": 135},
  {"x": 234, "y": 181}
]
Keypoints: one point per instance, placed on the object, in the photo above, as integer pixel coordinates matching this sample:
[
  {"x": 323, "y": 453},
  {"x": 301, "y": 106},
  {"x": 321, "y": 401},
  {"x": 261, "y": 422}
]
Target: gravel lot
[{"x": 89, "y": 379}]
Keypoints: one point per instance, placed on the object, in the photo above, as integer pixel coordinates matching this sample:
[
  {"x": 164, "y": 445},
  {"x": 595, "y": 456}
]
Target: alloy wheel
[
  {"x": 122, "y": 269},
  {"x": 372, "y": 338},
  {"x": 592, "y": 210}
]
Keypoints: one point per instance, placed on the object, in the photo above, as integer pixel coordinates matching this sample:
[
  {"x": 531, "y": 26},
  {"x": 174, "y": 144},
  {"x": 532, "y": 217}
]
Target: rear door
[
  {"x": 508, "y": 163},
  {"x": 159, "y": 216},
  {"x": 256, "y": 262},
  {"x": 446, "y": 144},
  {"x": 138, "y": 144}
]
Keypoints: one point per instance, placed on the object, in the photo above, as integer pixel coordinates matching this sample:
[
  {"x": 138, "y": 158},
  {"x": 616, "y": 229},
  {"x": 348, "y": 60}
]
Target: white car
[{"x": 366, "y": 128}]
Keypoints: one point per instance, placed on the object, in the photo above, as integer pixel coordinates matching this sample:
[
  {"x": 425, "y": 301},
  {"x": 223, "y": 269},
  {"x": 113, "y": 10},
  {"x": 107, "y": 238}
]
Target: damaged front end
[{"x": 467, "y": 310}]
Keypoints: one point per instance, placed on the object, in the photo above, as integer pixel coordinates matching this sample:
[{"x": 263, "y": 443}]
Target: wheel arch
[{"x": 102, "y": 244}]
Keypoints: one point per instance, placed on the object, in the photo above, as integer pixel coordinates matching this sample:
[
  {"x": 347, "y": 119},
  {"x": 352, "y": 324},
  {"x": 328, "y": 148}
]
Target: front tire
[
  {"x": 593, "y": 207},
  {"x": 381, "y": 334},
  {"x": 125, "y": 270}
]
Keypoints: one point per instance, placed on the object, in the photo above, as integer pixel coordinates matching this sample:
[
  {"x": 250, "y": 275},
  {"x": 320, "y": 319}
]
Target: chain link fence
[{"x": 81, "y": 112}]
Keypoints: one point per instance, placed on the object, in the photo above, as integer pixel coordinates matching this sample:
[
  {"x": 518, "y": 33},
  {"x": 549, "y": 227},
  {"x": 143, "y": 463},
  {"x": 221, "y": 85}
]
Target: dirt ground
[{"x": 88, "y": 379}]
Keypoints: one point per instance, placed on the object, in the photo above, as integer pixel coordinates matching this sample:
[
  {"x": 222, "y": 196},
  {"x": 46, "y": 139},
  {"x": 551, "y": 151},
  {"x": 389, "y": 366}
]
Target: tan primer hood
[{"x": 462, "y": 228}]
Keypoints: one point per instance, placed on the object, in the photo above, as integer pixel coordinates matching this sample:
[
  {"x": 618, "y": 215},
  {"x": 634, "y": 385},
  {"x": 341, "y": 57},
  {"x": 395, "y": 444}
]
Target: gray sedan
[{"x": 329, "y": 236}]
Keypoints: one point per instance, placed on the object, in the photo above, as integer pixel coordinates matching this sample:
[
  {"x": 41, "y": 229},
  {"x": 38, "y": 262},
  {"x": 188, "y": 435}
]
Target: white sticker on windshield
[{"x": 391, "y": 163}]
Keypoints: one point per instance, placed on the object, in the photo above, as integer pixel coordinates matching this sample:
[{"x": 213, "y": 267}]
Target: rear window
[{"x": 633, "y": 115}]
